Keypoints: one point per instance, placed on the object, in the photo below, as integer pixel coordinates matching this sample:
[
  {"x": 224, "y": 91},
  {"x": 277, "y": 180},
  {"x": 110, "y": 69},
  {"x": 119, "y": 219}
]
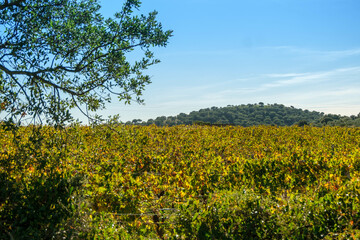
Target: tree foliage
[
  {"x": 61, "y": 54},
  {"x": 254, "y": 115},
  {"x": 243, "y": 115}
]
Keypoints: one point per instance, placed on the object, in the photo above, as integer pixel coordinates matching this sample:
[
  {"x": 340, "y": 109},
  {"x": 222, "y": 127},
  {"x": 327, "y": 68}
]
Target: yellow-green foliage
[{"x": 181, "y": 182}]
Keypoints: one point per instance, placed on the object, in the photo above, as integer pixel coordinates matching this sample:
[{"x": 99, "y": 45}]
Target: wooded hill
[{"x": 252, "y": 115}]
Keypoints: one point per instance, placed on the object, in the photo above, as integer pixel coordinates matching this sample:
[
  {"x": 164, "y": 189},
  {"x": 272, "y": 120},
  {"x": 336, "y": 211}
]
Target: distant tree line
[
  {"x": 252, "y": 115},
  {"x": 338, "y": 120}
]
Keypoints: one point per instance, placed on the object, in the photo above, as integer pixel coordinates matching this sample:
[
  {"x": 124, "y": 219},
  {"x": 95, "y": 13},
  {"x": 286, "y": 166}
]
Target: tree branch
[
  {"x": 36, "y": 76},
  {"x": 86, "y": 114},
  {"x": 21, "y": 87},
  {"x": 103, "y": 56},
  {"x": 14, "y": 3}
]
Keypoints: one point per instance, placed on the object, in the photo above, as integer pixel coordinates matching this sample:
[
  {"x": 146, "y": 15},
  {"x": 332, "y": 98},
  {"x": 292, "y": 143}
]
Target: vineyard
[{"x": 180, "y": 182}]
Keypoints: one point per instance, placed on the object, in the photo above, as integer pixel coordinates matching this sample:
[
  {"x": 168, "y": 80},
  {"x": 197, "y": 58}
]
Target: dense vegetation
[
  {"x": 180, "y": 182},
  {"x": 253, "y": 115}
]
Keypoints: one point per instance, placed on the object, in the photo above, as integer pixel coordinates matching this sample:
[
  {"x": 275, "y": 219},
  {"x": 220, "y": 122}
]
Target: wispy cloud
[
  {"x": 335, "y": 82},
  {"x": 283, "y": 75},
  {"x": 335, "y": 87},
  {"x": 285, "y": 80},
  {"x": 333, "y": 91},
  {"x": 327, "y": 55}
]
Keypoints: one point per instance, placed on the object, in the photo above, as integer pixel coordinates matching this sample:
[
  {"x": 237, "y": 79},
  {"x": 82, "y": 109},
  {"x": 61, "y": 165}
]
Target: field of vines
[{"x": 181, "y": 182}]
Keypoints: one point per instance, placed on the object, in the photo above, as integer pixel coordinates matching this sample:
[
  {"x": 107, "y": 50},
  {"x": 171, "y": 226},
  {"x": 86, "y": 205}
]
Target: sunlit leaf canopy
[{"x": 62, "y": 54}]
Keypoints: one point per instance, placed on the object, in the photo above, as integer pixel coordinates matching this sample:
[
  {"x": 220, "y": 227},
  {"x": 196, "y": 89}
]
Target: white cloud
[
  {"x": 311, "y": 77},
  {"x": 331, "y": 89},
  {"x": 317, "y": 54},
  {"x": 283, "y": 75},
  {"x": 324, "y": 83}
]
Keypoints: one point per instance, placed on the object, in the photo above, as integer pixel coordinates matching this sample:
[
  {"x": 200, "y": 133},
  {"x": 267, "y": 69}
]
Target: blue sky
[{"x": 301, "y": 53}]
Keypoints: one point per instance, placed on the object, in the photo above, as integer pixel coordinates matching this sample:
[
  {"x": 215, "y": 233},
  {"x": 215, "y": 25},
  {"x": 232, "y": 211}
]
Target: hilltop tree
[{"x": 56, "y": 55}]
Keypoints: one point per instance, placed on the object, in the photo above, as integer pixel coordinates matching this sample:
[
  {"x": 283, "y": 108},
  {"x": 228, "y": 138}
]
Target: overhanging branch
[{"x": 43, "y": 80}]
